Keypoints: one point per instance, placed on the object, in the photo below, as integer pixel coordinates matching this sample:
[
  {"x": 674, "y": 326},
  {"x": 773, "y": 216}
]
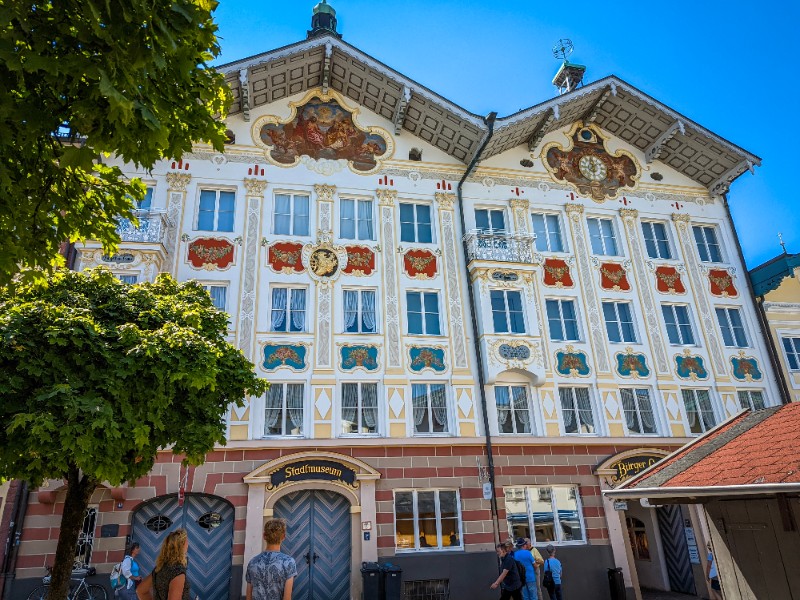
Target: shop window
[
  {"x": 427, "y": 520},
  {"x": 638, "y": 536},
  {"x": 549, "y": 514}
]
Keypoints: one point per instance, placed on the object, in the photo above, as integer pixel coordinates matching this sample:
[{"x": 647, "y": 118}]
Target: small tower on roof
[
  {"x": 570, "y": 75},
  {"x": 323, "y": 20}
]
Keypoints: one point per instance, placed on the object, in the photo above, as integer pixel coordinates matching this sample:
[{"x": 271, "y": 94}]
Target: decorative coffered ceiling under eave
[{"x": 614, "y": 105}]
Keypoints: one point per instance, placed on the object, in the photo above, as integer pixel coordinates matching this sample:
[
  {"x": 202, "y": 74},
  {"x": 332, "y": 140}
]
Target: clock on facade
[{"x": 592, "y": 167}]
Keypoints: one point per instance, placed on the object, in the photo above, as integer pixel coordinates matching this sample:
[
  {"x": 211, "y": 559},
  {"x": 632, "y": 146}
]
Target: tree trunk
[{"x": 79, "y": 492}]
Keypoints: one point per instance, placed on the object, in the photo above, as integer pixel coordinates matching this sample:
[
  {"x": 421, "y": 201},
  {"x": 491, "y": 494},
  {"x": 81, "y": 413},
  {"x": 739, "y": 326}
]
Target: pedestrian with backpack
[
  {"x": 551, "y": 574},
  {"x": 130, "y": 570},
  {"x": 524, "y": 556},
  {"x": 509, "y": 580}
]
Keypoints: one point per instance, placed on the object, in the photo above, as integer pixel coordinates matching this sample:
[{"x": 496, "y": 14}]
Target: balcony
[
  {"x": 152, "y": 226},
  {"x": 500, "y": 247}
]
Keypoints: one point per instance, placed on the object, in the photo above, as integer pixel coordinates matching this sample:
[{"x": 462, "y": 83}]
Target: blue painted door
[
  {"x": 318, "y": 538},
  {"x": 208, "y": 521}
]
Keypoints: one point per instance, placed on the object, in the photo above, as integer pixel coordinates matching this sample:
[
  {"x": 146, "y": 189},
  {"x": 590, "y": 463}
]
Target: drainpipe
[
  {"x": 12, "y": 544},
  {"x": 489, "y": 120},
  {"x": 783, "y": 388}
]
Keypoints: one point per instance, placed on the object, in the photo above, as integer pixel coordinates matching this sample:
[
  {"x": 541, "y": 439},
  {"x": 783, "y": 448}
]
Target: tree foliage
[
  {"x": 83, "y": 79},
  {"x": 96, "y": 376}
]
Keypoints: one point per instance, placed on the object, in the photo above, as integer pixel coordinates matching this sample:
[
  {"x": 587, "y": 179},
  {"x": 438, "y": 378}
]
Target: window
[
  {"x": 752, "y": 399},
  {"x": 513, "y": 412},
  {"x": 547, "y": 228},
  {"x": 216, "y": 210},
  {"x": 430, "y": 407},
  {"x": 146, "y": 203},
  {"x": 730, "y": 322},
  {"x": 291, "y": 214},
  {"x": 489, "y": 220},
  {"x": 705, "y": 236},
  {"x": 427, "y": 520},
  {"x": 507, "y": 311},
  {"x": 129, "y": 279},
  {"x": 638, "y": 536},
  {"x": 415, "y": 223},
  {"x": 219, "y": 295},
  {"x": 576, "y": 409},
  {"x": 679, "y": 327},
  {"x": 288, "y": 309},
  {"x": 656, "y": 240},
  {"x": 545, "y": 514},
  {"x": 359, "y": 311},
  {"x": 85, "y": 544},
  {"x": 699, "y": 411},
  {"x": 423, "y": 313},
  {"x": 359, "y": 408},
  {"x": 283, "y": 412},
  {"x": 639, "y": 416},
  {"x": 355, "y": 219},
  {"x": 601, "y": 232},
  {"x": 619, "y": 322},
  {"x": 792, "y": 347},
  {"x": 562, "y": 320}
]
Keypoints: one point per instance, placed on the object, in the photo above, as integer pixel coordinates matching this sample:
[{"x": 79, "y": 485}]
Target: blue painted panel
[
  {"x": 632, "y": 365},
  {"x": 359, "y": 357},
  {"x": 279, "y": 355},
  {"x": 691, "y": 367},
  {"x": 746, "y": 369},
  {"x": 426, "y": 358}
]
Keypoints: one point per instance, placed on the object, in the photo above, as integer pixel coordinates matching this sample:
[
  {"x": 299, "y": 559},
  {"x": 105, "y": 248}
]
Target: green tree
[
  {"x": 96, "y": 376},
  {"x": 84, "y": 79}
]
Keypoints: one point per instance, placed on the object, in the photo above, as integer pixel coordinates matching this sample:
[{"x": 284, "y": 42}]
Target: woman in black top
[
  {"x": 168, "y": 579},
  {"x": 509, "y": 582}
]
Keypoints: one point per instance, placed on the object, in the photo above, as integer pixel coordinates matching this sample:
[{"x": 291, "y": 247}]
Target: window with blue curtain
[
  {"x": 216, "y": 210},
  {"x": 355, "y": 219},
  {"x": 291, "y": 214}
]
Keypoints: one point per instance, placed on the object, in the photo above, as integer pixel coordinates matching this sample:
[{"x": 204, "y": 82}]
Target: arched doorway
[
  {"x": 208, "y": 521},
  {"x": 318, "y": 538}
]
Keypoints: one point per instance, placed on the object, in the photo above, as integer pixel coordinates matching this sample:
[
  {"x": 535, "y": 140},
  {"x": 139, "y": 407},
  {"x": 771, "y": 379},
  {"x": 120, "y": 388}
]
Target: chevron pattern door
[
  {"x": 208, "y": 521},
  {"x": 318, "y": 538},
  {"x": 676, "y": 551}
]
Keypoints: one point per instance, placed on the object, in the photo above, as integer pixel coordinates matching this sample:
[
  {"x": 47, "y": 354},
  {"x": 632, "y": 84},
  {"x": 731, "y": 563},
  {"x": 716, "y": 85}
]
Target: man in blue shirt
[
  {"x": 524, "y": 555},
  {"x": 553, "y": 566}
]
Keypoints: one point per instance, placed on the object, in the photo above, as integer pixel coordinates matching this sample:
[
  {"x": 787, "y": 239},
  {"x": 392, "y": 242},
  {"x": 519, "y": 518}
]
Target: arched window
[{"x": 638, "y": 536}]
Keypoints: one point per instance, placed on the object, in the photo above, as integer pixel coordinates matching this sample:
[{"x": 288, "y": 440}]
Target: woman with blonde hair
[{"x": 168, "y": 579}]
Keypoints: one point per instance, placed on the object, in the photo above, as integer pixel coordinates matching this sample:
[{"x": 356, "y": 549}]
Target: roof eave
[{"x": 704, "y": 491}]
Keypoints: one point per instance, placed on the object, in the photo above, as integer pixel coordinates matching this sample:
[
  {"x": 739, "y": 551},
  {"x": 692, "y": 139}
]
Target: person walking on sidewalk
[
  {"x": 168, "y": 580},
  {"x": 537, "y": 558},
  {"x": 508, "y": 581},
  {"x": 270, "y": 575},
  {"x": 551, "y": 574},
  {"x": 130, "y": 570},
  {"x": 523, "y": 555}
]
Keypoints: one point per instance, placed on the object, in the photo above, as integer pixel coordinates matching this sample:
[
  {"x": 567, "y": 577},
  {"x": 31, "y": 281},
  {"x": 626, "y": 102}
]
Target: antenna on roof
[
  {"x": 783, "y": 244},
  {"x": 570, "y": 75}
]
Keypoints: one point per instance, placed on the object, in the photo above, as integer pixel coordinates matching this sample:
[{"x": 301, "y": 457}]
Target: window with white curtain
[
  {"x": 291, "y": 214},
  {"x": 429, "y": 401},
  {"x": 699, "y": 411},
  {"x": 705, "y": 237},
  {"x": 355, "y": 219},
  {"x": 752, "y": 399},
  {"x": 656, "y": 240},
  {"x": 427, "y": 520},
  {"x": 359, "y": 408},
  {"x": 359, "y": 311},
  {"x": 513, "y": 408},
  {"x": 283, "y": 409},
  {"x": 639, "y": 415},
  {"x": 216, "y": 210},
  {"x": 791, "y": 345},
  {"x": 732, "y": 326},
  {"x": 601, "y": 233},
  {"x": 576, "y": 410},
  {"x": 288, "y": 309},
  {"x": 547, "y": 227},
  {"x": 129, "y": 279},
  {"x": 219, "y": 295},
  {"x": 619, "y": 322}
]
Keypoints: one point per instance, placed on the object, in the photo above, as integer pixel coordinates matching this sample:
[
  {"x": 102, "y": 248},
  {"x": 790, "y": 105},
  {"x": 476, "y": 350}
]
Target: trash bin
[
  {"x": 372, "y": 578},
  {"x": 616, "y": 584},
  {"x": 392, "y": 582}
]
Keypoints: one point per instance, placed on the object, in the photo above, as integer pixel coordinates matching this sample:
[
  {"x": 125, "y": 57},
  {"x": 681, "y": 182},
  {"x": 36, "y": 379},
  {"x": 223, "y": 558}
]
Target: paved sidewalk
[{"x": 659, "y": 595}]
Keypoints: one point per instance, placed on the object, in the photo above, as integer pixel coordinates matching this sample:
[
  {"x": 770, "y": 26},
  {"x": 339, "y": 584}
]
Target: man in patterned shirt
[{"x": 270, "y": 575}]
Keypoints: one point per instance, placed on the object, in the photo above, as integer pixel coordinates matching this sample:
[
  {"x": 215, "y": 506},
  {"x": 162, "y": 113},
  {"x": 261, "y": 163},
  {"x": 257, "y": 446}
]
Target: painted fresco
[
  {"x": 632, "y": 365},
  {"x": 323, "y": 129},
  {"x": 668, "y": 281},
  {"x": 420, "y": 264},
  {"x": 556, "y": 273},
  {"x": 360, "y": 260},
  {"x": 284, "y": 355},
  {"x": 722, "y": 283},
  {"x": 359, "y": 357},
  {"x": 690, "y": 366},
  {"x": 210, "y": 253},
  {"x": 425, "y": 357},
  {"x": 614, "y": 277},
  {"x": 572, "y": 363},
  {"x": 285, "y": 257},
  {"x": 745, "y": 368}
]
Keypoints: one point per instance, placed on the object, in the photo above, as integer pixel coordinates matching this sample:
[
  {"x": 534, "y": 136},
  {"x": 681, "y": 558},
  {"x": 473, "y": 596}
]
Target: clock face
[{"x": 592, "y": 167}]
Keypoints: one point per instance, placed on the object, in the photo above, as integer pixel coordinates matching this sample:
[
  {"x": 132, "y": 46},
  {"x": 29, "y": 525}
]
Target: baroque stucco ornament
[{"x": 588, "y": 167}]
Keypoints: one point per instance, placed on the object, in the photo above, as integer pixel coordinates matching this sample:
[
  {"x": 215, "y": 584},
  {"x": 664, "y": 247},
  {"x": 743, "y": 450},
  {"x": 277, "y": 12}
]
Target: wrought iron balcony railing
[
  {"x": 152, "y": 226},
  {"x": 517, "y": 248}
]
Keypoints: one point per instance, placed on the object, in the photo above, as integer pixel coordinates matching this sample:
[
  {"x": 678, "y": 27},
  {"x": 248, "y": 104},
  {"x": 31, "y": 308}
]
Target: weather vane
[
  {"x": 563, "y": 49},
  {"x": 783, "y": 244}
]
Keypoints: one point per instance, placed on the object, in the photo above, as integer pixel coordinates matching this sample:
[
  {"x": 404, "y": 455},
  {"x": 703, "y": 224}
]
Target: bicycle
[{"x": 77, "y": 591}]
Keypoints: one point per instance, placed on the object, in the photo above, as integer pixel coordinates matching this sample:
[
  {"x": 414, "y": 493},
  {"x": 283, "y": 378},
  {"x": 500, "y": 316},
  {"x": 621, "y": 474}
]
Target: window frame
[
  {"x": 561, "y": 237},
  {"x": 578, "y": 328},
  {"x": 449, "y": 425},
  {"x": 359, "y": 409},
  {"x": 512, "y": 410},
  {"x": 507, "y": 311},
  {"x": 690, "y": 323},
  {"x": 749, "y": 395},
  {"x": 424, "y": 313},
  {"x": 715, "y": 231},
  {"x": 704, "y": 428},
  {"x": 595, "y": 422},
  {"x": 207, "y": 285},
  {"x": 618, "y": 322},
  {"x": 528, "y": 491},
  {"x": 293, "y": 194},
  {"x": 651, "y": 223},
  {"x": 602, "y": 238},
  {"x": 149, "y": 195},
  {"x": 730, "y": 328},
  {"x": 793, "y": 355},
  {"x": 490, "y": 209},
  {"x": 416, "y": 519},
  {"x": 416, "y": 221},
  {"x": 304, "y": 429},
  {"x": 360, "y": 311},
  {"x": 653, "y": 408},
  {"x": 128, "y": 278},
  {"x": 356, "y": 221},
  {"x": 217, "y": 191},
  {"x": 288, "y": 288}
]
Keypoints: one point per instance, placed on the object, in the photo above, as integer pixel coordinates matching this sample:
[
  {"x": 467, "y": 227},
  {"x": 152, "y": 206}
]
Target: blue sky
[{"x": 730, "y": 66}]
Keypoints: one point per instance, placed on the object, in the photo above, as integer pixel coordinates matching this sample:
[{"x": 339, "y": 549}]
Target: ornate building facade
[{"x": 471, "y": 326}]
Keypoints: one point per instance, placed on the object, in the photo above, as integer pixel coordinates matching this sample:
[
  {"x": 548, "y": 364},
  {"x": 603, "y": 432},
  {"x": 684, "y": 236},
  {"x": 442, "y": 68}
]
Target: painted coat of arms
[
  {"x": 668, "y": 281},
  {"x": 556, "y": 273},
  {"x": 614, "y": 277},
  {"x": 722, "y": 283}
]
